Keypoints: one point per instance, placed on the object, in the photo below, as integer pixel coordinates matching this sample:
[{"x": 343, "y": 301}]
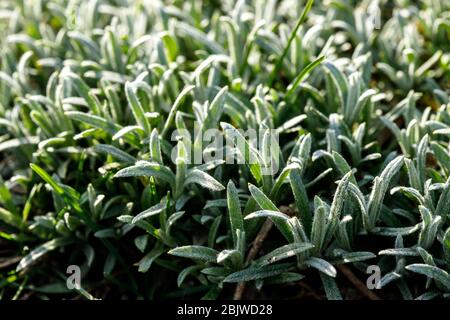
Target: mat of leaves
[{"x": 91, "y": 92}]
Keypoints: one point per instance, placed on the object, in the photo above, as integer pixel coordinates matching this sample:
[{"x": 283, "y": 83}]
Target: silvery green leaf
[
  {"x": 362, "y": 100},
  {"x": 388, "y": 278},
  {"x": 83, "y": 90},
  {"x": 319, "y": 225},
  {"x": 404, "y": 289},
  {"x": 442, "y": 156},
  {"x": 351, "y": 257},
  {"x": 146, "y": 262},
  {"x": 179, "y": 100},
  {"x": 234, "y": 210},
  {"x": 263, "y": 201},
  {"x": 298, "y": 231},
  {"x": 320, "y": 154},
  {"x": 240, "y": 242},
  {"x": 411, "y": 252},
  {"x": 353, "y": 148},
  {"x": 216, "y": 203},
  {"x": 215, "y": 109},
  {"x": 41, "y": 250},
  {"x": 147, "y": 169},
  {"x": 171, "y": 221},
  {"x": 318, "y": 178},
  {"x": 213, "y": 231},
  {"x": 322, "y": 265},
  {"x": 428, "y": 64},
  {"x": 127, "y": 131},
  {"x": 105, "y": 233},
  {"x": 427, "y": 257},
  {"x": 246, "y": 151},
  {"x": 48, "y": 143},
  {"x": 195, "y": 252},
  {"x": 360, "y": 199},
  {"x": 268, "y": 214},
  {"x": 10, "y": 218},
  {"x": 337, "y": 205},
  {"x": 431, "y": 272},
  {"x": 136, "y": 107},
  {"x": 186, "y": 272},
  {"x": 284, "y": 252},
  {"x": 210, "y": 165},
  {"x": 421, "y": 158},
  {"x": 333, "y": 143},
  {"x": 203, "y": 179},
  {"x": 141, "y": 242},
  {"x": 393, "y": 127},
  {"x": 301, "y": 198},
  {"x": 155, "y": 147},
  {"x": 93, "y": 120},
  {"x": 258, "y": 272},
  {"x": 216, "y": 271},
  {"x": 286, "y": 277},
  {"x": 232, "y": 29},
  {"x": 85, "y": 41},
  {"x": 199, "y": 36},
  {"x": 115, "y": 152},
  {"x": 330, "y": 286},
  {"x": 302, "y": 150},
  {"x": 430, "y": 227},
  {"x": 428, "y": 295},
  {"x": 413, "y": 175},
  {"x": 6, "y": 197},
  {"x": 144, "y": 225},
  {"x": 379, "y": 189},
  {"x": 206, "y": 63},
  {"x": 339, "y": 80},
  {"x": 110, "y": 263},
  {"x": 343, "y": 235},
  {"x": 152, "y": 211},
  {"x": 270, "y": 210},
  {"x": 371, "y": 157},
  {"x": 426, "y": 216},
  {"x": 445, "y": 131},
  {"x": 181, "y": 169},
  {"x": 443, "y": 205},
  {"x": 281, "y": 179},
  {"x": 291, "y": 123},
  {"x": 12, "y": 83},
  {"x": 270, "y": 154},
  {"x": 233, "y": 258},
  {"x": 18, "y": 142},
  {"x": 393, "y": 232},
  {"x": 410, "y": 192},
  {"x": 446, "y": 245}
]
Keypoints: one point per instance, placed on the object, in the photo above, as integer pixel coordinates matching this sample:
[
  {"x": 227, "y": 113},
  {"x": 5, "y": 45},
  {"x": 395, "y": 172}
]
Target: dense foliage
[{"x": 91, "y": 91}]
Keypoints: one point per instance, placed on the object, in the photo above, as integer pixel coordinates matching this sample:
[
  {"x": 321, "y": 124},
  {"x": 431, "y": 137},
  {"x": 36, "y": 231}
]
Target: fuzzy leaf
[
  {"x": 255, "y": 273},
  {"x": 195, "y": 252}
]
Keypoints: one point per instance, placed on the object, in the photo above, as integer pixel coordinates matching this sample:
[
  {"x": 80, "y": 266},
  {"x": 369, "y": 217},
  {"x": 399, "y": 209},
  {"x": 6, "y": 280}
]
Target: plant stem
[{"x": 291, "y": 38}]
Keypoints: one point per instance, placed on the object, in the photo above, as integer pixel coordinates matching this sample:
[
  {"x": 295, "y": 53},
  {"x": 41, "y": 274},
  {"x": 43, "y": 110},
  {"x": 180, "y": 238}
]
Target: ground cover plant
[{"x": 98, "y": 103}]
